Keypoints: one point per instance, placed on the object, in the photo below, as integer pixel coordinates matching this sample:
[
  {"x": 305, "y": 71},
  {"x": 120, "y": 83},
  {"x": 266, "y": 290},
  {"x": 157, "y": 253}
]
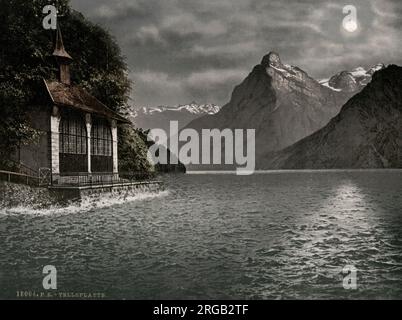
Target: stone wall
[{"x": 16, "y": 195}]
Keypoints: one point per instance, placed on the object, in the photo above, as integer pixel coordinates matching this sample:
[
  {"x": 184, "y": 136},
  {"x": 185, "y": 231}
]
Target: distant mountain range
[
  {"x": 160, "y": 117},
  {"x": 285, "y": 105},
  {"x": 350, "y": 120},
  {"x": 351, "y": 81},
  {"x": 282, "y": 103},
  {"x": 367, "y": 133},
  {"x": 193, "y": 108}
]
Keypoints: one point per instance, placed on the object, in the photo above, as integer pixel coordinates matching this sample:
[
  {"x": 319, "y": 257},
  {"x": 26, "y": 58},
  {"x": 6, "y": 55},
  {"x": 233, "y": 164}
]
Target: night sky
[{"x": 180, "y": 51}]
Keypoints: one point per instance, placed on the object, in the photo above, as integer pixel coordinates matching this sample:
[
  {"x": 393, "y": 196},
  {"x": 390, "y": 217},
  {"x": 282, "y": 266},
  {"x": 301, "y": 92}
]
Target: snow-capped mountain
[
  {"x": 365, "y": 134},
  {"x": 283, "y": 104},
  {"x": 351, "y": 81},
  {"x": 193, "y": 108},
  {"x": 160, "y": 117}
]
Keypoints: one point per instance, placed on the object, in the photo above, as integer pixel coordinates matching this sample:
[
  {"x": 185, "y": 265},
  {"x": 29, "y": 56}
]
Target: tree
[{"x": 25, "y": 59}]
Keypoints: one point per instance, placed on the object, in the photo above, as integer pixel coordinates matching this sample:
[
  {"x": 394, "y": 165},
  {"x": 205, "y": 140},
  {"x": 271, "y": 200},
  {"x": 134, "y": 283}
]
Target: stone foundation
[{"x": 16, "y": 195}]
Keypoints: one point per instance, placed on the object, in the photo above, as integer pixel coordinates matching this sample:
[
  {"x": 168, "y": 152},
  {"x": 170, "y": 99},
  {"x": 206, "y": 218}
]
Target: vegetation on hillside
[{"x": 25, "y": 59}]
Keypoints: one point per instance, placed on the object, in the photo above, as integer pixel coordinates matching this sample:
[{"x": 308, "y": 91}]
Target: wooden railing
[
  {"x": 23, "y": 169},
  {"x": 19, "y": 178}
]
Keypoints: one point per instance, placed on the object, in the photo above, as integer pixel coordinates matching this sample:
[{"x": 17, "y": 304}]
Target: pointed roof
[
  {"x": 77, "y": 98},
  {"x": 59, "y": 50}
]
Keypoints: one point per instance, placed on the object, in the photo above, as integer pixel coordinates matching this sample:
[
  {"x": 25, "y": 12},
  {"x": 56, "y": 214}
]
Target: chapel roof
[{"x": 78, "y": 98}]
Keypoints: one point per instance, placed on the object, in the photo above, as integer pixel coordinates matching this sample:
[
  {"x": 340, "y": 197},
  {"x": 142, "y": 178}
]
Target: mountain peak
[
  {"x": 352, "y": 81},
  {"x": 365, "y": 134},
  {"x": 377, "y": 67},
  {"x": 271, "y": 59}
]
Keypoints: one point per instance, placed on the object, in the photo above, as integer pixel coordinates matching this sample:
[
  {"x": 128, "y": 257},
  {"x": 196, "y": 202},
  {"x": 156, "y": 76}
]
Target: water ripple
[{"x": 273, "y": 236}]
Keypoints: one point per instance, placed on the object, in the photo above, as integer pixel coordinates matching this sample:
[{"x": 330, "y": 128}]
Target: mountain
[
  {"x": 281, "y": 102},
  {"x": 367, "y": 133},
  {"x": 160, "y": 117},
  {"x": 351, "y": 81}
]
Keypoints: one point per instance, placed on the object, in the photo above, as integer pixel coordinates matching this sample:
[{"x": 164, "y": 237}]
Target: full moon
[{"x": 350, "y": 26}]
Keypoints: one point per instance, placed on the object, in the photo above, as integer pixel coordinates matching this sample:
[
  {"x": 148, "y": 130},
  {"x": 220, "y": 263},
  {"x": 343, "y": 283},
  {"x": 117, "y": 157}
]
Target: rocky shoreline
[{"x": 16, "y": 195}]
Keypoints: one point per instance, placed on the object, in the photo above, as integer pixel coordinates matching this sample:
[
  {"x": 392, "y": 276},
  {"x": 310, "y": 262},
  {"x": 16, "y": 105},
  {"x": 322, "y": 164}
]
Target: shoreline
[
  {"x": 229, "y": 172},
  {"x": 14, "y": 195}
]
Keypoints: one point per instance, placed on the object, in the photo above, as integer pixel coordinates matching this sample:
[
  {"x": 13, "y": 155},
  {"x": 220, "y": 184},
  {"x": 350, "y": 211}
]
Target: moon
[{"x": 350, "y": 26}]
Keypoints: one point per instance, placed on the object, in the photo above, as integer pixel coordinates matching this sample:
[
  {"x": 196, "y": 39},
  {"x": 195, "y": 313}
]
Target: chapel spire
[{"x": 63, "y": 58}]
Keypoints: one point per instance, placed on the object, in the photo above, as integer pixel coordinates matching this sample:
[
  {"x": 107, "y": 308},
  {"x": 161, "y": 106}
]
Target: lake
[{"x": 278, "y": 235}]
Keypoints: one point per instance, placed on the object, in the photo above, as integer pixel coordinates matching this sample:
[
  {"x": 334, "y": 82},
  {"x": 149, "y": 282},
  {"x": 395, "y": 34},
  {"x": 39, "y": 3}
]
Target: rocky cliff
[
  {"x": 351, "y": 81},
  {"x": 367, "y": 133},
  {"x": 281, "y": 102}
]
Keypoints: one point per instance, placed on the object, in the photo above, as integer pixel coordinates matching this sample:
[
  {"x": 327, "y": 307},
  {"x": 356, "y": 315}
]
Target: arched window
[
  {"x": 73, "y": 144},
  {"x": 101, "y": 146}
]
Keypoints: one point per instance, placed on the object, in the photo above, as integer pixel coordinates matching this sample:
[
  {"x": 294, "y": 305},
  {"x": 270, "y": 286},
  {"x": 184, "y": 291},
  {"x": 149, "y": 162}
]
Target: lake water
[{"x": 281, "y": 235}]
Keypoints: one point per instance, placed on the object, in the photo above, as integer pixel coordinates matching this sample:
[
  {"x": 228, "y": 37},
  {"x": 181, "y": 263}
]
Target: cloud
[
  {"x": 194, "y": 86},
  {"x": 105, "y": 11},
  {"x": 210, "y": 78},
  {"x": 147, "y": 35},
  {"x": 184, "y": 50},
  {"x": 188, "y": 23},
  {"x": 152, "y": 85},
  {"x": 233, "y": 50}
]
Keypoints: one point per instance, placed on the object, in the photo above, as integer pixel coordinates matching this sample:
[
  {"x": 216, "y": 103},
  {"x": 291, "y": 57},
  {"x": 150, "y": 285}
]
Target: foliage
[
  {"x": 25, "y": 59},
  {"x": 162, "y": 168},
  {"x": 133, "y": 151}
]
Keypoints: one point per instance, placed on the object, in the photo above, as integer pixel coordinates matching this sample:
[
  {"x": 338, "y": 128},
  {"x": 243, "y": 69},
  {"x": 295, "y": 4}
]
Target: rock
[
  {"x": 352, "y": 81},
  {"x": 367, "y": 133},
  {"x": 281, "y": 102},
  {"x": 344, "y": 81},
  {"x": 271, "y": 59}
]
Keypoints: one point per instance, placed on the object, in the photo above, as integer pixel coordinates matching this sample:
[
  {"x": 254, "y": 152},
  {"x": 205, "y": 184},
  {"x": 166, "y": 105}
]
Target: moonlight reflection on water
[{"x": 274, "y": 235}]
